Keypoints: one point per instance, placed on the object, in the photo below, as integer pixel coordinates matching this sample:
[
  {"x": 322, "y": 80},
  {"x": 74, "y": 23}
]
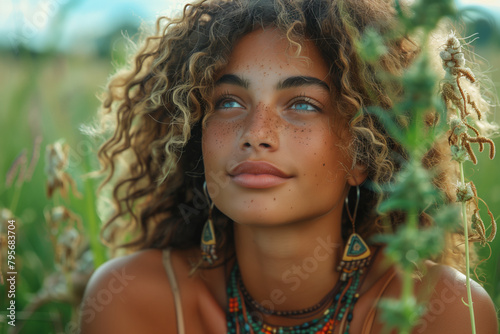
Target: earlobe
[{"x": 357, "y": 175}]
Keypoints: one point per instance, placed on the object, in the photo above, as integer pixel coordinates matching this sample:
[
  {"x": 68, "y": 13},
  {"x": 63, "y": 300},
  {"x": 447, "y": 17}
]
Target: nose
[{"x": 261, "y": 129}]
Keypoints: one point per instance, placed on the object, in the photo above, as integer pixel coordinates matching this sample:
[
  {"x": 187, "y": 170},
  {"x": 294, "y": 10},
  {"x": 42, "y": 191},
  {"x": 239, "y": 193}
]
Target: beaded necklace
[
  {"x": 253, "y": 305},
  {"x": 240, "y": 320}
]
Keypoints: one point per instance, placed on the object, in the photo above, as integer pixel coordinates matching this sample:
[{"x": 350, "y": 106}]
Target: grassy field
[{"x": 45, "y": 98}]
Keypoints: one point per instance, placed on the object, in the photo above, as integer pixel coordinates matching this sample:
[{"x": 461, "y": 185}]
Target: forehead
[{"x": 269, "y": 50}]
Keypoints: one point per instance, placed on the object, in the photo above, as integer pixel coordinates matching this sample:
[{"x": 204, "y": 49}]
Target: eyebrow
[
  {"x": 298, "y": 81},
  {"x": 291, "y": 82},
  {"x": 233, "y": 80}
]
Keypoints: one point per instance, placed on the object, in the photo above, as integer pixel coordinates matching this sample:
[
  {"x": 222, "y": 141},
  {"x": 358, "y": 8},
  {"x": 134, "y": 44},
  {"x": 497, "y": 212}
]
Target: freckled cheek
[
  {"x": 217, "y": 136},
  {"x": 324, "y": 158},
  {"x": 299, "y": 137},
  {"x": 315, "y": 141},
  {"x": 218, "y": 140}
]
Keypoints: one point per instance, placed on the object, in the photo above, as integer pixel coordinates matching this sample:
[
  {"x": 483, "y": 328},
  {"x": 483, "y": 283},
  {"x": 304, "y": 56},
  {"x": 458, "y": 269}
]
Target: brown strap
[
  {"x": 370, "y": 318},
  {"x": 167, "y": 263}
]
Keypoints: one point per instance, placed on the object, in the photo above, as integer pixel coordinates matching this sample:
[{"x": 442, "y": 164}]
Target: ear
[{"x": 357, "y": 175}]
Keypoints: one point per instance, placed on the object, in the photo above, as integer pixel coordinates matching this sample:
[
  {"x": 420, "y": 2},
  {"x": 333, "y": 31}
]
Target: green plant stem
[
  {"x": 15, "y": 199},
  {"x": 407, "y": 288},
  {"x": 93, "y": 226},
  {"x": 467, "y": 262},
  {"x": 407, "y": 294}
]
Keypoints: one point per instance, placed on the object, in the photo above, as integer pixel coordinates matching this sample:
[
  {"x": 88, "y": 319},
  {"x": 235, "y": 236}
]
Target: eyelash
[
  {"x": 224, "y": 97},
  {"x": 305, "y": 100}
]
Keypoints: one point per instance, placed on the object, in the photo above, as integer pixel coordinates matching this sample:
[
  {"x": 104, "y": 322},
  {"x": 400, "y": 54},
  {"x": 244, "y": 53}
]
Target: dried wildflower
[
  {"x": 474, "y": 107},
  {"x": 21, "y": 164},
  {"x": 18, "y": 164},
  {"x": 452, "y": 56},
  {"x": 480, "y": 230},
  {"x": 478, "y": 224},
  {"x": 459, "y": 153},
  {"x": 459, "y": 139},
  {"x": 68, "y": 247},
  {"x": 454, "y": 94},
  {"x": 35, "y": 155},
  {"x": 66, "y": 232},
  {"x": 450, "y": 95},
  {"x": 60, "y": 214},
  {"x": 480, "y": 140},
  {"x": 464, "y": 72},
  {"x": 56, "y": 163},
  {"x": 457, "y": 126},
  {"x": 464, "y": 192}
]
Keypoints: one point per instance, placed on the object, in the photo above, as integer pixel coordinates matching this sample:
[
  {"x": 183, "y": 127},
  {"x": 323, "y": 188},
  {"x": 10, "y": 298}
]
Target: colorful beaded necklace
[
  {"x": 240, "y": 320},
  {"x": 253, "y": 305}
]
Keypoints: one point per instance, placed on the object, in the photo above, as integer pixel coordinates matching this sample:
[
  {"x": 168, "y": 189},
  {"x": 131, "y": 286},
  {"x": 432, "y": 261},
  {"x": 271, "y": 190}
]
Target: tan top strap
[
  {"x": 370, "y": 318},
  {"x": 167, "y": 263}
]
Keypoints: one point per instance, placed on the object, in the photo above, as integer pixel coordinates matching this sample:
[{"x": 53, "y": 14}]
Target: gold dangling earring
[
  {"x": 208, "y": 242},
  {"x": 357, "y": 254}
]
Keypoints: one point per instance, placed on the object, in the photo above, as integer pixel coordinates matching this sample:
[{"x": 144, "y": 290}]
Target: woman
[{"x": 246, "y": 111}]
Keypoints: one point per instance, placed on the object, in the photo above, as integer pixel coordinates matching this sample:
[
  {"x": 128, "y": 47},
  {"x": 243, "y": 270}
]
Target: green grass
[{"x": 47, "y": 96}]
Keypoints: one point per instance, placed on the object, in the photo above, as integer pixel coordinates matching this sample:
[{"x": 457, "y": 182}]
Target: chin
[{"x": 258, "y": 216}]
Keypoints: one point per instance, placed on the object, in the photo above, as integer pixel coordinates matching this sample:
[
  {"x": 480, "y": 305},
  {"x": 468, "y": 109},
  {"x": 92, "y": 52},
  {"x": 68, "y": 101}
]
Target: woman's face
[{"x": 270, "y": 151}]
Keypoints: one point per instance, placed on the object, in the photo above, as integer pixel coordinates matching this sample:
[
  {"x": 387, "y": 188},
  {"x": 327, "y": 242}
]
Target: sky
[
  {"x": 492, "y": 3},
  {"x": 32, "y": 21}
]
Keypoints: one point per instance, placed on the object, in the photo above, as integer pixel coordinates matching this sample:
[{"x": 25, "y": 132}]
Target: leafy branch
[{"x": 412, "y": 193}]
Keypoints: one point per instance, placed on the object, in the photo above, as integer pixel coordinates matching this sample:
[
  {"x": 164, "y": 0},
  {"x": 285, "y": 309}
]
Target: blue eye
[
  {"x": 227, "y": 104},
  {"x": 302, "y": 105},
  {"x": 227, "y": 101}
]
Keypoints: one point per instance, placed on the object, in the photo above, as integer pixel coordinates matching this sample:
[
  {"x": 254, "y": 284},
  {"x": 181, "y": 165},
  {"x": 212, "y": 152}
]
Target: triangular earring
[
  {"x": 357, "y": 254},
  {"x": 208, "y": 241}
]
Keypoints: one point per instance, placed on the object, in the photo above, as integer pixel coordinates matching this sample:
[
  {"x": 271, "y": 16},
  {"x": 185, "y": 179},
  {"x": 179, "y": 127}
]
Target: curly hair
[{"x": 155, "y": 110}]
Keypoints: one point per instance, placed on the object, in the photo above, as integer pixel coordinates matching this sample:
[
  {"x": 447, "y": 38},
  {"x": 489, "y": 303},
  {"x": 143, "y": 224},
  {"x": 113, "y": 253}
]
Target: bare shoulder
[
  {"x": 444, "y": 288},
  {"x": 130, "y": 294}
]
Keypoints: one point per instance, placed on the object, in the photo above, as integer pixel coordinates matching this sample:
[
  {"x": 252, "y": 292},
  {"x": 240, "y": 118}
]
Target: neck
[{"x": 290, "y": 266}]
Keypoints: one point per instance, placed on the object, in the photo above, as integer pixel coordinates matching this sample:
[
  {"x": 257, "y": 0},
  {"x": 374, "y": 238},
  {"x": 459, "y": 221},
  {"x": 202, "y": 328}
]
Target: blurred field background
[{"x": 55, "y": 57}]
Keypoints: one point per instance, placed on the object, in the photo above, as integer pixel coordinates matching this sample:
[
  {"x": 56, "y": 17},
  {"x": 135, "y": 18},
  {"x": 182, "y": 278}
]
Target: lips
[
  {"x": 256, "y": 168},
  {"x": 257, "y": 174}
]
